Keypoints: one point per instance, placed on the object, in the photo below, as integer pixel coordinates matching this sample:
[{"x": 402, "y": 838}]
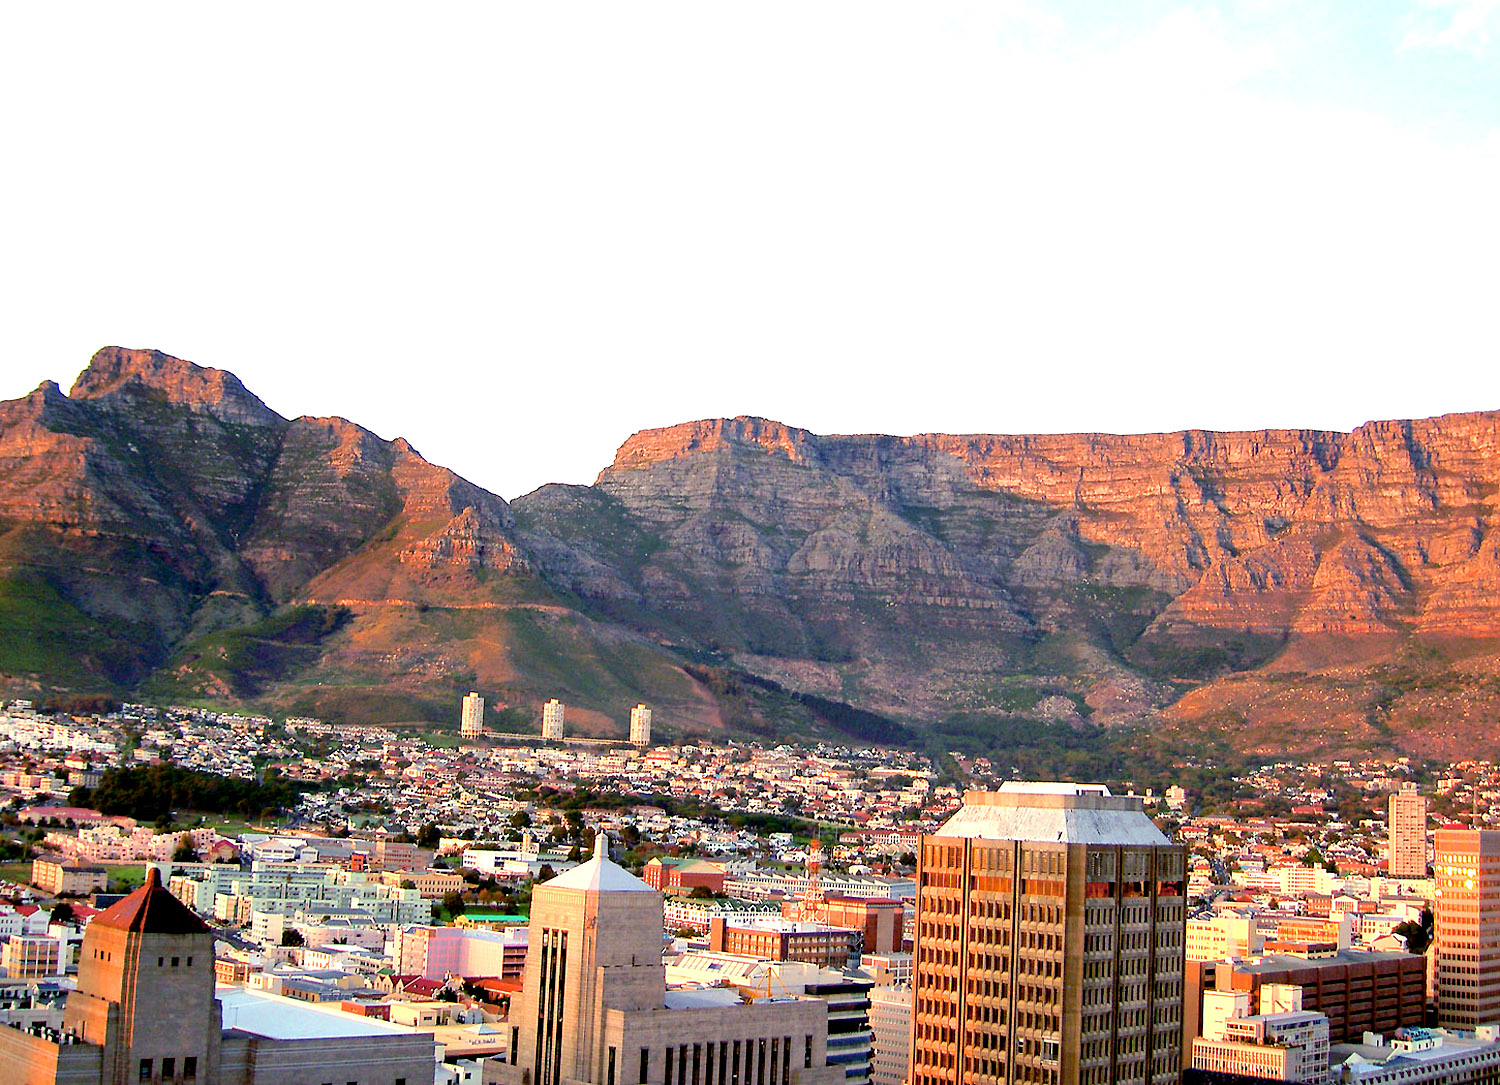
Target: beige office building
[
  {"x": 890, "y": 1034},
  {"x": 1406, "y": 825},
  {"x": 594, "y": 1006},
  {"x": 640, "y": 725},
  {"x": 1049, "y": 947},
  {"x": 552, "y": 720},
  {"x": 1466, "y": 938},
  {"x": 472, "y": 722}
]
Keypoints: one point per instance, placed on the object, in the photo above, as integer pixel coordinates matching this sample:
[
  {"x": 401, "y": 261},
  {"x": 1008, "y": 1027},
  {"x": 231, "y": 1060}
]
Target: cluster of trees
[{"x": 153, "y": 792}]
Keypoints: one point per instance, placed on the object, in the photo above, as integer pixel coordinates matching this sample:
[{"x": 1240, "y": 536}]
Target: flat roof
[
  {"x": 280, "y": 1018},
  {"x": 1054, "y": 813},
  {"x": 1279, "y": 962},
  {"x": 702, "y": 998}
]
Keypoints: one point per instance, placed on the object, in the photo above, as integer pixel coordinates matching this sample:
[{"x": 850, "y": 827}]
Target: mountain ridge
[{"x": 1090, "y": 580}]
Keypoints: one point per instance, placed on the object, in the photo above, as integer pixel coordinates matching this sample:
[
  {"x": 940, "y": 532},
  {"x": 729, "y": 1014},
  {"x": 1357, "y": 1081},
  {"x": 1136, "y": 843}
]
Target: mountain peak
[
  {"x": 116, "y": 371},
  {"x": 651, "y": 446}
]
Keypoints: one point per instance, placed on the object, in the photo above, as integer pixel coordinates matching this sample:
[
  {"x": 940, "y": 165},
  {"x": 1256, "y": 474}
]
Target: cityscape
[
  {"x": 735, "y": 912},
  {"x": 837, "y": 543}
]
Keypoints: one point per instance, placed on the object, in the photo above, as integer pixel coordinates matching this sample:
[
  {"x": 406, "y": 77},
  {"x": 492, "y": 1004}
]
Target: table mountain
[{"x": 163, "y": 531}]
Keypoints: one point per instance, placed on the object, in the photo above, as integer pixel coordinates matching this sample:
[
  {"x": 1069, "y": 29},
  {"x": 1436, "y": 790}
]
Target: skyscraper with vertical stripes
[{"x": 1051, "y": 927}]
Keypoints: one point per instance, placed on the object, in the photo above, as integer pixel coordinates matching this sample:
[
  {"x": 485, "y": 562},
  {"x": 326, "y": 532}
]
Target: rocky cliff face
[
  {"x": 932, "y": 575},
  {"x": 1304, "y": 590}
]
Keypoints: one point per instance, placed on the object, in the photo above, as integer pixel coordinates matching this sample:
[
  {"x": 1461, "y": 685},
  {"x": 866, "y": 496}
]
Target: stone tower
[{"x": 146, "y": 990}]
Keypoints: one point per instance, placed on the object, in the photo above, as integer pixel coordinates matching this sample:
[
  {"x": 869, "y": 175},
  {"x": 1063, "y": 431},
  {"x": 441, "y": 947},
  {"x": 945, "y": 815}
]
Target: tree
[
  {"x": 1418, "y": 935},
  {"x": 453, "y": 902},
  {"x": 292, "y": 937},
  {"x": 520, "y": 820},
  {"x": 185, "y": 852},
  {"x": 62, "y": 912},
  {"x": 429, "y": 836}
]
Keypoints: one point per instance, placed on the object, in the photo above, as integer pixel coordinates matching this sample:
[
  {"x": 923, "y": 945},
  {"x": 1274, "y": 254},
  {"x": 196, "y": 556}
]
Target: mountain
[{"x": 162, "y": 531}]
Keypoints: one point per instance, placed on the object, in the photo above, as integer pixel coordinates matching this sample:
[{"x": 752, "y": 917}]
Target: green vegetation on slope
[
  {"x": 44, "y": 634},
  {"x": 247, "y": 660}
]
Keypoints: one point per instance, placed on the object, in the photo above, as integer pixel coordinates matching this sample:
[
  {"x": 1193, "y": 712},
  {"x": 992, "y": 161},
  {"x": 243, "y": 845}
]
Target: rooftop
[
  {"x": 600, "y": 874},
  {"x": 1053, "y": 812},
  {"x": 290, "y": 1019},
  {"x": 1279, "y": 962},
  {"x": 151, "y": 909}
]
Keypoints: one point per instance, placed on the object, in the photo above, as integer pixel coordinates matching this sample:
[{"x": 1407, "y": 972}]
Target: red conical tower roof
[{"x": 151, "y": 909}]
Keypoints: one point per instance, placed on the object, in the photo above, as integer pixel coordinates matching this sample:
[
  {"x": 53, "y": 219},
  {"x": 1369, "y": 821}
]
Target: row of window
[
  {"x": 166, "y": 1069},
  {"x": 765, "y": 1061}
]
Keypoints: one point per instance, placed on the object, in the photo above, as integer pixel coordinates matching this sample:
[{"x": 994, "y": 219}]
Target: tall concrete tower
[
  {"x": 472, "y": 725},
  {"x": 552, "y": 720},
  {"x": 640, "y": 725},
  {"x": 1051, "y": 925},
  {"x": 1406, "y": 822}
]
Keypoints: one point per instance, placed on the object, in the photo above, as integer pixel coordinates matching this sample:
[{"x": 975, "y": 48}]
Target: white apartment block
[
  {"x": 552, "y": 720},
  {"x": 640, "y": 725},
  {"x": 1281, "y": 1043},
  {"x": 471, "y": 724}
]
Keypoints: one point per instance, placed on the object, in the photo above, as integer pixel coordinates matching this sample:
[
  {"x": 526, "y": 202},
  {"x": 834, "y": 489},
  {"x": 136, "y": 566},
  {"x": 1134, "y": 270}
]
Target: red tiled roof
[{"x": 151, "y": 909}]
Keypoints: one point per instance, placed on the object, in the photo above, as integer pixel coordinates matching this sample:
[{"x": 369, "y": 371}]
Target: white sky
[{"x": 514, "y": 234}]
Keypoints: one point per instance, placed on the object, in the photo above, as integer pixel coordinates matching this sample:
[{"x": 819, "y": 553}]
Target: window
[
  {"x": 175, "y": 960},
  {"x": 168, "y": 1068},
  {"x": 145, "y": 1069},
  {"x": 190, "y": 1068}
]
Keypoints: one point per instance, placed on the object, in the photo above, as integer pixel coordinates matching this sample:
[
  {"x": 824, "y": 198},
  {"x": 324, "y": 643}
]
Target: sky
[{"x": 516, "y": 234}]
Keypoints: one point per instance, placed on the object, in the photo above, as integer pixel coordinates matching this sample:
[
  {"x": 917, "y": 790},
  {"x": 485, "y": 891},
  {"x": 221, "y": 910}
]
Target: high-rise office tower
[
  {"x": 1466, "y": 936},
  {"x": 1049, "y": 948},
  {"x": 1406, "y": 822},
  {"x": 472, "y": 725},
  {"x": 640, "y": 725},
  {"x": 552, "y": 720}
]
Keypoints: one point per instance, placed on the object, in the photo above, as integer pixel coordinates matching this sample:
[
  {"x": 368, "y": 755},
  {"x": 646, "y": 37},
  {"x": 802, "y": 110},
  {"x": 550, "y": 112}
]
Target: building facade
[
  {"x": 471, "y": 724},
  {"x": 1049, "y": 945},
  {"x": 890, "y": 1034},
  {"x": 1283, "y": 1042},
  {"x": 1466, "y": 935},
  {"x": 1358, "y": 991},
  {"x": 1406, "y": 826}
]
